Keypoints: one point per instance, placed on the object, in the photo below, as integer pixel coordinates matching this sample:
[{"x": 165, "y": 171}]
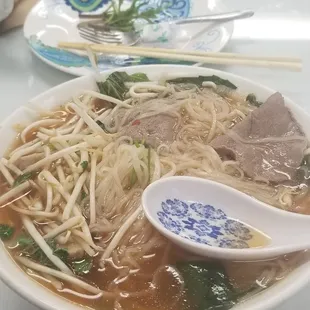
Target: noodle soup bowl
[{"x": 35, "y": 293}]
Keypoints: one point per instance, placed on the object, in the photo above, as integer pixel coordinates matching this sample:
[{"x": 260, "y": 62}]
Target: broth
[{"x": 81, "y": 216}]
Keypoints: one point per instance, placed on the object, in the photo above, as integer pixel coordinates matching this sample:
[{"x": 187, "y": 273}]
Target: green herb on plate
[{"x": 114, "y": 18}]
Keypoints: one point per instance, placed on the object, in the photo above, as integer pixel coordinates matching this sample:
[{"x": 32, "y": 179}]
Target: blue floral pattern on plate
[
  {"x": 174, "y": 9},
  {"x": 203, "y": 224}
]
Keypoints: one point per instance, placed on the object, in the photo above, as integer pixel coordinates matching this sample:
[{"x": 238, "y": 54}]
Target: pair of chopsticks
[{"x": 293, "y": 64}]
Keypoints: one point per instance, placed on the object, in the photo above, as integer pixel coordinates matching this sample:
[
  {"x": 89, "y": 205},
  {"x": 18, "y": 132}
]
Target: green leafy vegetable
[
  {"x": 62, "y": 254},
  {"x": 6, "y": 232},
  {"x": 200, "y": 79},
  {"x": 82, "y": 267},
  {"x": 29, "y": 248},
  {"x": 123, "y": 20},
  {"x": 251, "y": 98},
  {"x": 22, "y": 178},
  {"x": 138, "y": 77},
  {"x": 83, "y": 195},
  {"x": 207, "y": 285},
  {"x": 24, "y": 241},
  {"x": 114, "y": 85},
  {"x": 84, "y": 164}
]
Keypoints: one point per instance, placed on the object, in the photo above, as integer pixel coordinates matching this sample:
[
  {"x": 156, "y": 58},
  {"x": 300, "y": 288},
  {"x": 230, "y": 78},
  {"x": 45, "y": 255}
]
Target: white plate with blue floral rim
[{"x": 51, "y": 21}]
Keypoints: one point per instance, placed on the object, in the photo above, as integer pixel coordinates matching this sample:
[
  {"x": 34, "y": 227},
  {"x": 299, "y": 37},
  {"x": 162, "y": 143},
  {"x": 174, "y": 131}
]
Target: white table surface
[{"x": 279, "y": 28}]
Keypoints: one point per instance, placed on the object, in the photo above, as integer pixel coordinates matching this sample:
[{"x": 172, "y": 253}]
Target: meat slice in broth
[
  {"x": 154, "y": 130},
  {"x": 269, "y": 143}
]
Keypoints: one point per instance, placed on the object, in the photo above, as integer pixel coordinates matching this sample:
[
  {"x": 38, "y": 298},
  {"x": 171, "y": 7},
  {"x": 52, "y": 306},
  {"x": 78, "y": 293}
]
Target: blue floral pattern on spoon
[{"x": 203, "y": 224}]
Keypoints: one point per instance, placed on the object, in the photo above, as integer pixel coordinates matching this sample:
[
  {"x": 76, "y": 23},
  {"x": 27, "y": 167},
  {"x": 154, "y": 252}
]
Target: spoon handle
[{"x": 223, "y": 17}]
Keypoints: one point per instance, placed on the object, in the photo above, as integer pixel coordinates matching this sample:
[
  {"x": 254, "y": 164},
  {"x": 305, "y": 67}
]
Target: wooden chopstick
[
  {"x": 193, "y": 56},
  {"x": 82, "y": 46}
]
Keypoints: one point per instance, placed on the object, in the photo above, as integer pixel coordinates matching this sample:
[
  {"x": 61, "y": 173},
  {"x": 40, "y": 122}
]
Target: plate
[
  {"x": 51, "y": 21},
  {"x": 11, "y": 273}
]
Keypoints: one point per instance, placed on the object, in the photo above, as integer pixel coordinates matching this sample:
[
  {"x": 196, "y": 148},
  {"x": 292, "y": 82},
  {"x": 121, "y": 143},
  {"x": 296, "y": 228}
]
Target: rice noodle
[{"x": 120, "y": 234}]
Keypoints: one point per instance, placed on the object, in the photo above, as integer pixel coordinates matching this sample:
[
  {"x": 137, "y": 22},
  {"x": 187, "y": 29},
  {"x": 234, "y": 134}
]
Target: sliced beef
[
  {"x": 154, "y": 130},
  {"x": 262, "y": 145}
]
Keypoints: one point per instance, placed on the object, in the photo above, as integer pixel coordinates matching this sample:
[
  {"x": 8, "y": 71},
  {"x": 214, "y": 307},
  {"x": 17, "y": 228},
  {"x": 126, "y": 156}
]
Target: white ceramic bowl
[
  {"x": 6, "y": 7},
  {"x": 11, "y": 274}
]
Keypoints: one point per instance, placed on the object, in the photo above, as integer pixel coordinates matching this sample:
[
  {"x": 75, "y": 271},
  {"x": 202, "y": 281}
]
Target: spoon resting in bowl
[{"x": 214, "y": 220}]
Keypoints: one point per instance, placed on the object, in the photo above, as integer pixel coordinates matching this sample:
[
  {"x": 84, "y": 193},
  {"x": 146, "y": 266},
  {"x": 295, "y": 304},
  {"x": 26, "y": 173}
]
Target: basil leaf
[
  {"x": 200, "y": 79},
  {"x": 138, "y": 77},
  {"x": 30, "y": 248},
  {"x": 82, "y": 267},
  {"x": 22, "y": 178},
  {"x": 84, "y": 164},
  {"x": 6, "y": 232},
  {"x": 114, "y": 85},
  {"x": 24, "y": 241},
  {"x": 207, "y": 285}
]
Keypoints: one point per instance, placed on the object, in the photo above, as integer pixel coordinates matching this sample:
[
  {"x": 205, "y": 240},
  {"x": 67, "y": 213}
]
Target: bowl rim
[{"x": 41, "y": 297}]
